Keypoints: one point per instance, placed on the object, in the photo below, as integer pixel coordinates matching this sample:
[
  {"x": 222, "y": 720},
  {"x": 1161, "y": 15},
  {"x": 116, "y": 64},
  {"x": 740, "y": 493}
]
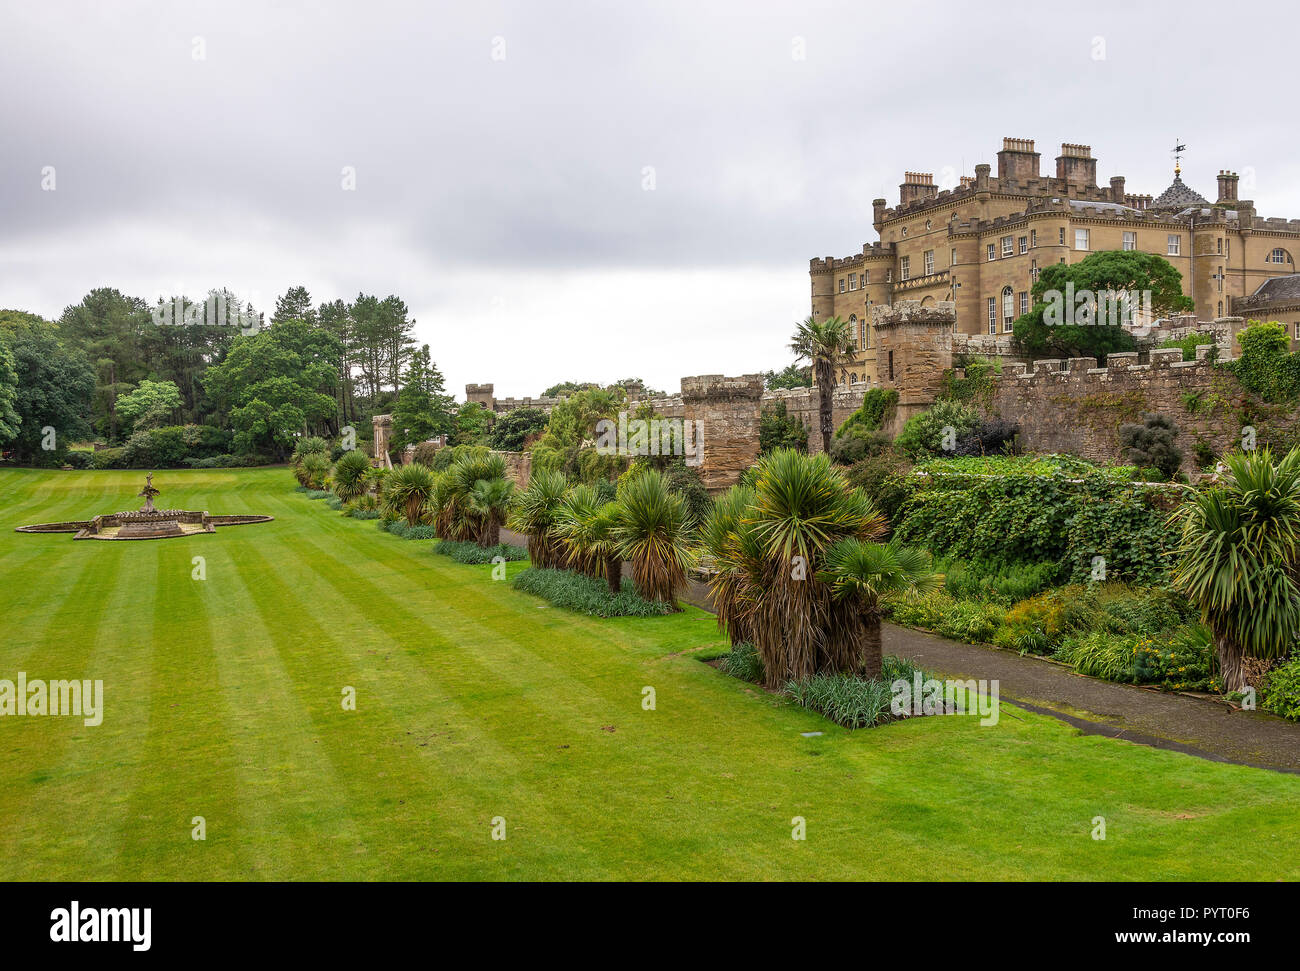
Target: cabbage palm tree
[
  {"x": 406, "y": 491},
  {"x": 828, "y": 346},
  {"x": 859, "y": 574},
  {"x": 312, "y": 469},
  {"x": 534, "y": 514},
  {"x": 733, "y": 556},
  {"x": 1239, "y": 559},
  {"x": 461, "y": 477},
  {"x": 801, "y": 505},
  {"x": 586, "y": 528},
  {"x": 489, "y": 501},
  {"x": 351, "y": 475},
  {"x": 652, "y": 531}
]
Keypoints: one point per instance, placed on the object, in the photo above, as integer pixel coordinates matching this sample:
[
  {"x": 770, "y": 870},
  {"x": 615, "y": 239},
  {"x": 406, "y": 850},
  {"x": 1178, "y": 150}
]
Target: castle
[{"x": 981, "y": 245}]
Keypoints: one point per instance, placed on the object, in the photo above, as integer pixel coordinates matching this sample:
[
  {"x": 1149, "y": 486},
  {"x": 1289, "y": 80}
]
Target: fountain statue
[{"x": 148, "y": 492}]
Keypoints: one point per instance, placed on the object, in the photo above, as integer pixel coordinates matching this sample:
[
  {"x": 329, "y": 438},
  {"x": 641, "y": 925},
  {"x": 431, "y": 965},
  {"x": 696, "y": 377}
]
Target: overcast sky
[{"x": 578, "y": 190}]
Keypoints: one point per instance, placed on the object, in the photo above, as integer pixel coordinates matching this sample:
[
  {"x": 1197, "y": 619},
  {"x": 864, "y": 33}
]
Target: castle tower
[
  {"x": 726, "y": 413},
  {"x": 915, "y": 349}
]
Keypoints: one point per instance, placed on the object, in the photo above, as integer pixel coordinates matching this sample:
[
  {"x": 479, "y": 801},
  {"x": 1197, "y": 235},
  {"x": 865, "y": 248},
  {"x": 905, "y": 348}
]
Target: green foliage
[
  {"x": 743, "y": 662},
  {"x": 54, "y": 388},
  {"x": 885, "y": 480},
  {"x": 1151, "y": 444},
  {"x": 471, "y": 425},
  {"x": 172, "y": 446},
  {"x": 1281, "y": 690},
  {"x": 423, "y": 409},
  {"x": 1028, "y": 518},
  {"x": 1109, "y": 270},
  {"x": 9, "y": 417},
  {"x": 351, "y": 475},
  {"x": 778, "y": 429},
  {"x": 1239, "y": 558},
  {"x": 512, "y": 430},
  {"x": 1187, "y": 345},
  {"x": 586, "y": 595},
  {"x": 407, "y": 489},
  {"x": 791, "y": 376},
  {"x": 925, "y": 434},
  {"x": 852, "y": 701},
  {"x": 1266, "y": 365},
  {"x": 475, "y": 554},
  {"x": 1004, "y": 584},
  {"x": 108, "y": 458},
  {"x": 976, "y": 386},
  {"x": 964, "y": 620},
  {"x": 277, "y": 382},
  {"x": 877, "y": 405},
  {"x": 651, "y": 530},
  {"x": 150, "y": 405},
  {"x": 853, "y": 443},
  {"x": 684, "y": 480}
]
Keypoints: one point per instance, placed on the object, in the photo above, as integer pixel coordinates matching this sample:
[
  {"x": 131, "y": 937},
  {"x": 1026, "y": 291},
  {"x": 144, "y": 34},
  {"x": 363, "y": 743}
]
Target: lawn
[{"x": 474, "y": 701}]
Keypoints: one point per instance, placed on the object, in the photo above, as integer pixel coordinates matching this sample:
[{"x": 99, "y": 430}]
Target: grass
[{"x": 474, "y": 701}]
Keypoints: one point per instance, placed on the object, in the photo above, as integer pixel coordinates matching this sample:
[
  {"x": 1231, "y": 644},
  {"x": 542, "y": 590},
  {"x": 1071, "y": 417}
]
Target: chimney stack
[
  {"x": 917, "y": 185},
  {"x": 1075, "y": 166},
  {"x": 1227, "y": 186},
  {"x": 1018, "y": 160},
  {"x": 1117, "y": 189}
]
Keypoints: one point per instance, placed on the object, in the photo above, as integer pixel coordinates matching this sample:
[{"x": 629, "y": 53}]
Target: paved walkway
[{"x": 1207, "y": 729}]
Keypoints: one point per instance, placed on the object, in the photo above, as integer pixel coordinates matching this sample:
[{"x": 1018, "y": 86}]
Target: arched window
[
  {"x": 1008, "y": 309},
  {"x": 1279, "y": 255},
  {"x": 853, "y": 331},
  {"x": 1220, "y": 308},
  {"x": 853, "y": 378},
  {"x": 864, "y": 336}
]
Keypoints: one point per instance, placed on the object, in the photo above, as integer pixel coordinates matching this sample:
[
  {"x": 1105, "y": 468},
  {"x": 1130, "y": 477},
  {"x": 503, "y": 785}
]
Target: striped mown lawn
[{"x": 222, "y": 700}]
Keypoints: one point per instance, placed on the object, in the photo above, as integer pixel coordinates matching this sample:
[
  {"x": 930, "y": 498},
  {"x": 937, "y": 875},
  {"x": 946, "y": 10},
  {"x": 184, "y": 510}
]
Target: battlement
[
  {"x": 1049, "y": 372},
  {"x": 714, "y": 386}
]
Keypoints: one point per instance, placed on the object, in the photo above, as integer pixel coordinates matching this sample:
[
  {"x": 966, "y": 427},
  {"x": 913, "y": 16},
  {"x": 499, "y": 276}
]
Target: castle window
[
  {"x": 889, "y": 276},
  {"x": 1220, "y": 308},
  {"x": 904, "y": 232},
  {"x": 927, "y": 225},
  {"x": 841, "y": 284},
  {"x": 1062, "y": 235},
  {"x": 1130, "y": 240},
  {"x": 929, "y": 262},
  {"x": 866, "y": 334},
  {"x": 1008, "y": 308},
  {"x": 853, "y": 281},
  {"x": 853, "y": 378},
  {"x": 1024, "y": 303},
  {"x": 866, "y": 277},
  {"x": 1277, "y": 256},
  {"x": 1024, "y": 245},
  {"x": 993, "y": 315},
  {"x": 1081, "y": 239},
  {"x": 1219, "y": 275},
  {"x": 1219, "y": 241},
  {"x": 1033, "y": 237},
  {"x": 953, "y": 261},
  {"x": 853, "y": 331},
  {"x": 1175, "y": 245},
  {"x": 1297, "y": 330},
  {"x": 1008, "y": 248},
  {"x": 992, "y": 253},
  {"x": 905, "y": 267}
]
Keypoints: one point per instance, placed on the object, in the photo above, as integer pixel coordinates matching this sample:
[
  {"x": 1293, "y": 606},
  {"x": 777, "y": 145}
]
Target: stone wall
[
  {"x": 915, "y": 349},
  {"x": 1076, "y": 407},
  {"x": 519, "y": 467},
  {"x": 725, "y": 411}
]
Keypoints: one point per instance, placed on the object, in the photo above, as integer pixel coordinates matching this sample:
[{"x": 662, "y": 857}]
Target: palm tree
[
  {"x": 652, "y": 530},
  {"x": 462, "y": 476},
  {"x": 1239, "y": 559},
  {"x": 828, "y": 346},
  {"x": 312, "y": 469},
  {"x": 724, "y": 541},
  {"x": 534, "y": 514},
  {"x": 489, "y": 500},
  {"x": 406, "y": 491},
  {"x": 586, "y": 528},
  {"x": 351, "y": 475},
  {"x": 801, "y": 505},
  {"x": 859, "y": 575}
]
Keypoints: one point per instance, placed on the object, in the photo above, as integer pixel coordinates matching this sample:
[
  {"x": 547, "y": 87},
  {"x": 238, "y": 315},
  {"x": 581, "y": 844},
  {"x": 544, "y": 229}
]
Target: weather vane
[{"x": 1179, "y": 148}]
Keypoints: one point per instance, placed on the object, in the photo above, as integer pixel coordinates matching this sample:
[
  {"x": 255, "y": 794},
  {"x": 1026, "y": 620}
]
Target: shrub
[
  {"x": 1099, "y": 655},
  {"x": 318, "y": 493},
  {"x": 512, "y": 431},
  {"x": 1033, "y": 626},
  {"x": 586, "y": 595},
  {"x": 108, "y": 458},
  {"x": 996, "y": 436},
  {"x": 78, "y": 460},
  {"x": 743, "y": 662},
  {"x": 473, "y": 553},
  {"x": 351, "y": 474},
  {"x": 1181, "y": 661},
  {"x": 852, "y": 701},
  {"x": 1004, "y": 585},
  {"x": 964, "y": 620},
  {"x": 877, "y": 405},
  {"x": 1281, "y": 690},
  {"x": 1152, "y": 444},
  {"x": 924, "y": 434},
  {"x": 853, "y": 443},
  {"x": 425, "y": 452},
  {"x": 884, "y": 478},
  {"x": 778, "y": 429},
  {"x": 334, "y": 502}
]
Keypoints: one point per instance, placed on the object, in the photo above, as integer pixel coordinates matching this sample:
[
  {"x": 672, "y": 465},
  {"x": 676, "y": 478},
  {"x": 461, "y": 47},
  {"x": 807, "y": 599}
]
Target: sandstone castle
[{"x": 981, "y": 245}]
